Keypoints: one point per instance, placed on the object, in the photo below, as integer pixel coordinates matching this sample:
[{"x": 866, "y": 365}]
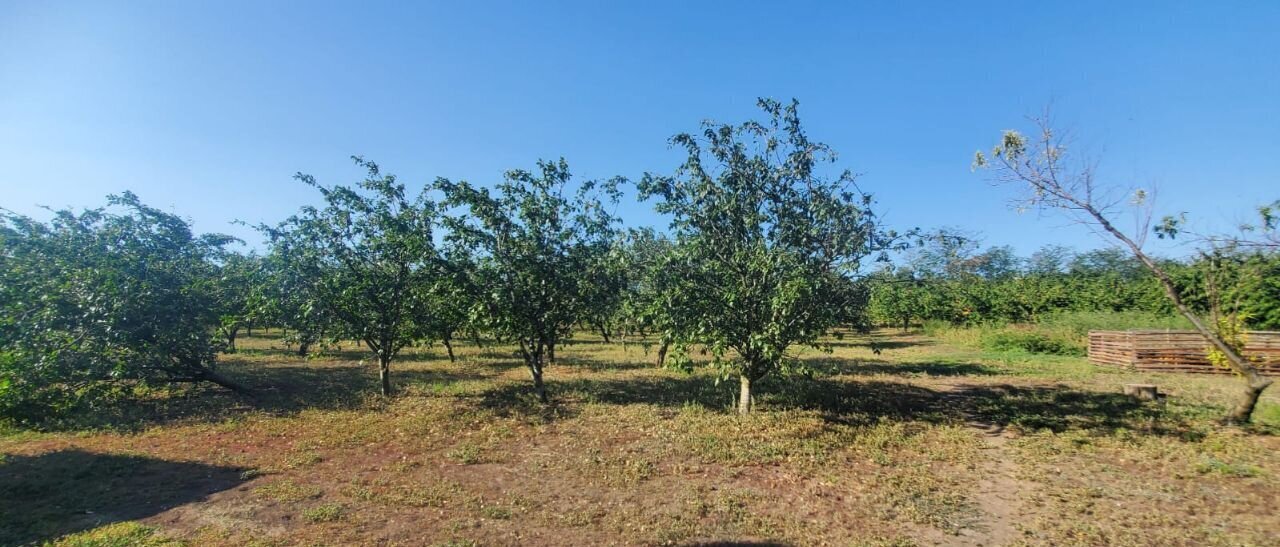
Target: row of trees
[
  {"x": 763, "y": 255},
  {"x": 950, "y": 279},
  {"x": 765, "y": 252}
]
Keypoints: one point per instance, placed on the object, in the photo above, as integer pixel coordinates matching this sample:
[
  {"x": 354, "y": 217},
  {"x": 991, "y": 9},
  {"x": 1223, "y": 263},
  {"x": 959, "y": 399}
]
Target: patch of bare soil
[{"x": 999, "y": 494}]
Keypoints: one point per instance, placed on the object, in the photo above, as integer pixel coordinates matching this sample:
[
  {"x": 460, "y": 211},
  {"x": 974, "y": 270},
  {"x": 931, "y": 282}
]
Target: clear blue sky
[{"x": 208, "y": 108}]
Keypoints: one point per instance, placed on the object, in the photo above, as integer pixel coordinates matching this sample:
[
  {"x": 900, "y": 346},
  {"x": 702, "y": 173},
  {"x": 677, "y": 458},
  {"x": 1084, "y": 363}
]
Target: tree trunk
[
  {"x": 906, "y": 324},
  {"x": 662, "y": 352},
  {"x": 604, "y": 332},
  {"x": 1243, "y": 411},
  {"x": 533, "y": 361},
  {"x": 551, "y": 356},
  {"x": 475, "y": 338},
  {"x": 744, "y": 394},
  {"x": 231, "y": 339},
  {"x": 538, "y": 386},
  {"x": 384, "y": 374},
  {"x": 218, "y": 379},
  {"x": 448, "y": 346},
  {"x": 304, "y": 347}
]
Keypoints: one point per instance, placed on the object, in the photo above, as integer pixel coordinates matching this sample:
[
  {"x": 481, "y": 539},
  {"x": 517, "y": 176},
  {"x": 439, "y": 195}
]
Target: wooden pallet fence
[{"x": 1176, "y": 351}]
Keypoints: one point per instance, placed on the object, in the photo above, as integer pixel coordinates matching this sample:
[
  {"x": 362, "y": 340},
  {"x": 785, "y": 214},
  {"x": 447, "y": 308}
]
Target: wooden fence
[{"x": 1176, "y": 351}]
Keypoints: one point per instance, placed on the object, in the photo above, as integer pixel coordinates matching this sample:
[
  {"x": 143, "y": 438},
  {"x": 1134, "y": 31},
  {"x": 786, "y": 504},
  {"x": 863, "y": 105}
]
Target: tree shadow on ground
[
  {"x": 345, "y": 353},
  {"x": 276, "y": 389},
  {"x": 879, "y": 344},
  {"x": 1059, "y": 408},
  {"x": 913, "y": 368},
  {"x": 853, "y": 401},
  {"x": 838, "y": 400},
  {"x": 292, "y": 388},
  {"x": 68, "y": 491}
]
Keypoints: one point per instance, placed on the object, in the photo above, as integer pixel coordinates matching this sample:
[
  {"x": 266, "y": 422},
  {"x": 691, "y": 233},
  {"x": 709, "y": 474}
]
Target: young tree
[
  {"x": 534, "y": 244},
  {"x": 453, "y": 300},
  {"x": 285, "y": 297},
  {"x": 898, "y": 297},
  {"x": 650, "y": 273},
  {"x": 1051, "y": 180},
  {"x": 237, "y": 276},
  {"x": 368, "y": 255},
  {"x": 767, "y": 245},
  {"x": 107, "y": 297},
  {"x": 607, "y": 286}
]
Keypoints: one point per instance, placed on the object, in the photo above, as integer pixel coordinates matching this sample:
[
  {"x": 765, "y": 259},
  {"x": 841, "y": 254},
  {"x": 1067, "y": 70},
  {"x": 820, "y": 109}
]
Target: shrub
[
  {"x": 1062, "y": 333},
  {"x": 1030, "y": 340}
]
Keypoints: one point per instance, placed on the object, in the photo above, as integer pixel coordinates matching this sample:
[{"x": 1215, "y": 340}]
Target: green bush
[
  {"x": 1079, "y": 323},
  {"x": 1063, "y": 333},
  {"x": 1031, "y": 340}
]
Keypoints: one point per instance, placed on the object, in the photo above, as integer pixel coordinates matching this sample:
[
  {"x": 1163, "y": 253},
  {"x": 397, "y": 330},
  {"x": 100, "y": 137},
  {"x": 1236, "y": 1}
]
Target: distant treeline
[{"x": 950, "y": 279}]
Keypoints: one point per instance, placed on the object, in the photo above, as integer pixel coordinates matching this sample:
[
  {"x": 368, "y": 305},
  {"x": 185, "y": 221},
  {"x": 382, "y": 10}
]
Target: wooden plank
[{"x": 1177, "y": 351}]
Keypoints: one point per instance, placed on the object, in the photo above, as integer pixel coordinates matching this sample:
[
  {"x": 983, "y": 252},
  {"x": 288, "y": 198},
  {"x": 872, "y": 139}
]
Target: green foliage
[
  {"x": 237, "y": 277},
  {"x": 369, "y": 257},
  {"x": 1057, "y": 333},
  {"x": 535, "y": 249},
  {"x": 647, "y": 299},
  {"x": 1030, "y": 341},
  {"x": 285, "y": 297},
  {"x": 96, "y": 302},
  {"x": 961, "y": 286},
  {"x": 766, "y": 246}
]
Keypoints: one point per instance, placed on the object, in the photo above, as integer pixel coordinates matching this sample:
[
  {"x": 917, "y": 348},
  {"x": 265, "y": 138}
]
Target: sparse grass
[
  {"x": 287, "y": 491},
  {"x": 120, "y": 534},
  {"x": 1211, "y": 464},
  {"x": 873, "y": 449},
  {"x": 328, "y": 512},
  {"x": 467, "y": 454}
]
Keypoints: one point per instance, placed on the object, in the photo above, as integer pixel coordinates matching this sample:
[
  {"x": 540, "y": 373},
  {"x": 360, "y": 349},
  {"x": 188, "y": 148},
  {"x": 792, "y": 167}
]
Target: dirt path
[{"x": 998, "y": 489}]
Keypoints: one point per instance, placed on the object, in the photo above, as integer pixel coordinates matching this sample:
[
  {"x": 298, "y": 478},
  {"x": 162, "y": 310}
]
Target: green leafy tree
[
  {"x": 651, "y": 273},
  {"x": 94, "y": 302},
  {"x": 534, "y": 242},
  {"x": 237, "y": 277},
  {"x": 453, "y": 300},
  {"x": 898, "y": 297},
  {"x": 609, "y": 278},
  {"x": 286, "y": 297},
  {"x": 369, "y": 256},
  {"x": 767, "y": 245}
]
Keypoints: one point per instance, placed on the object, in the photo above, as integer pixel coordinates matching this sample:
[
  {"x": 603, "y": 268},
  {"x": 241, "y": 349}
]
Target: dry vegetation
[{"x": 921, "y": 444}]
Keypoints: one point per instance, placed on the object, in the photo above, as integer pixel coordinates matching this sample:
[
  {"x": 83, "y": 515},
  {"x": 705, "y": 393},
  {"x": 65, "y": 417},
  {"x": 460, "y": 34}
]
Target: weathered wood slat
[{"x": 1176, "y": 351}]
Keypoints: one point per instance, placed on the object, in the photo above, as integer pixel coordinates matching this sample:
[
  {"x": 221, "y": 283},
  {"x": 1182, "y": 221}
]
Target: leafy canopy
[
  {"x": 94, "y": 302},
  {"x": 535, "y": 243},
  {"x": 368, "y": 255},
  {"x": 767, "y": 246}
]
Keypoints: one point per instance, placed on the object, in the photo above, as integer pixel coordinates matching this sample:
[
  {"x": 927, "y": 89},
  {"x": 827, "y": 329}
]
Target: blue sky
[{"x": 209, "y": 108}]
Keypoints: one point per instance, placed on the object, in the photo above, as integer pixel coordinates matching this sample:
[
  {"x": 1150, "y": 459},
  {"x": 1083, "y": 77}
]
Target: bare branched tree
[
  {"x": 1262, "y": 234},
  {"x": 1054, "y": 181}
]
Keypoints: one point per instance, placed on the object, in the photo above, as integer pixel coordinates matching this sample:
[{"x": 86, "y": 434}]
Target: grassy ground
[{"x": 921, "y": 444}]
